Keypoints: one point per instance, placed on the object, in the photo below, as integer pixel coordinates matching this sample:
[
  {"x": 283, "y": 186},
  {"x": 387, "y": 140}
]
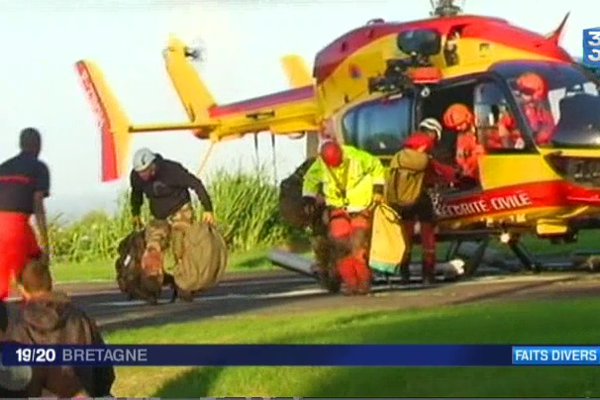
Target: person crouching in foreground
[
  {"x": 422, "y": 210},
  {"x": 49, "y": 318},
  {"x": 351, "y": 181}
]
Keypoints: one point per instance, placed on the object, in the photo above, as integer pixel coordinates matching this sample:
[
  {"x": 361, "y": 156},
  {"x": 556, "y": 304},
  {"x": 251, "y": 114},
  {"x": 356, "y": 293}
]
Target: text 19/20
[{"x": 35, "y": 355}]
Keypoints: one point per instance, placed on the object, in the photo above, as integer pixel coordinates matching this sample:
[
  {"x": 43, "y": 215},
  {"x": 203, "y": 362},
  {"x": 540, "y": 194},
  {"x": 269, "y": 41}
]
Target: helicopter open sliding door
[
  {"x": 434, "y": 106},
  {"x": 378, "y": 126}
]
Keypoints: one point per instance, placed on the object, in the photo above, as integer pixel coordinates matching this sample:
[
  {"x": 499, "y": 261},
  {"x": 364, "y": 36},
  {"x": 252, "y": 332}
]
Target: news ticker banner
[{"x": 300, "y": 355}]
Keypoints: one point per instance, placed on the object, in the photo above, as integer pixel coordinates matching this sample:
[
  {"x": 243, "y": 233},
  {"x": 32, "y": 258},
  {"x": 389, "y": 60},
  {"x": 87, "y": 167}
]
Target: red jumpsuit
[
  {"x": 497, "y": 141},
  {"x": 541, "y": 121},
  {"x": 467, "y": 154}
]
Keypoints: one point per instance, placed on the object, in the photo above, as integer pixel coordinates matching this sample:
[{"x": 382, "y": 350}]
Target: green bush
[{"x": 245, "y": 206}]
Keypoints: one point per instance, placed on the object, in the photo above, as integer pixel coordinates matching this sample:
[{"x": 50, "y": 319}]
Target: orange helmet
[
  {"x": 532, "y": 84},
  {"x": 456, "y": 115}
]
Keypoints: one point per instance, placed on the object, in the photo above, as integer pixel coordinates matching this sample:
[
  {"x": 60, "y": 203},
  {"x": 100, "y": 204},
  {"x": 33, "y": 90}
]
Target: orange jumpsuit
[
  {"x": 496, "y": 141},
  {"x": 541, "y": 121},
  {"x": 467, "y": 154},
  {"x": 350, "y": 233}
]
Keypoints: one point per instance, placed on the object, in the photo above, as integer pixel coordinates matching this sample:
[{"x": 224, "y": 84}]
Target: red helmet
[
  {"x": 418, "y": 140},
  {"x": 456, "y": 115},
  {"x": 532, "y": 84},
  {"x": 331, "y": 153}
]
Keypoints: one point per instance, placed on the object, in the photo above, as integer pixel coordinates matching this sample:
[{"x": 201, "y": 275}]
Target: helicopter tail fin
[
  {"x": 556, "y": 35},
  {"x": 296, "y": 71},
  {"x": 112, "y": 120},
  {"x": 193, "y": 93}
]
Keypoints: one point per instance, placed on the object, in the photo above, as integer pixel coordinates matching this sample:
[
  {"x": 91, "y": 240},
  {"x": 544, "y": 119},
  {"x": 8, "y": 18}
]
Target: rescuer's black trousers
[{"x": 423, "y": 212}]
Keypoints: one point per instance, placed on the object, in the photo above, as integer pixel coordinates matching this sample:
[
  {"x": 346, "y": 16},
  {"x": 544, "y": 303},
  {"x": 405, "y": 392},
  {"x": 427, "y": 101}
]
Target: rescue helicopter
[{"x": 371, "y": 86}]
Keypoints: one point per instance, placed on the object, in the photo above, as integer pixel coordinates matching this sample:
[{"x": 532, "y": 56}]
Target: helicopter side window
[
  {"x": 379, "y": 126},
  {"x": 496, "y": 125}
]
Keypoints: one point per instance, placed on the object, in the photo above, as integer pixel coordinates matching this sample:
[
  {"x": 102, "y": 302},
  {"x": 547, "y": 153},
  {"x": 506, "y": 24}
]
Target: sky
[{"x": 243, "y": 40}]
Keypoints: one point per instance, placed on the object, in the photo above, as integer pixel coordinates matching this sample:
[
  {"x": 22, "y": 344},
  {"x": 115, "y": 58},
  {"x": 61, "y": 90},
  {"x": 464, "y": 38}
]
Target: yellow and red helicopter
[{"x": 372, "y": 85}]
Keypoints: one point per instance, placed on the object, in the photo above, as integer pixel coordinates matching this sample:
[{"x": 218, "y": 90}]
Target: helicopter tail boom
[{"x": 289, "y": 112}]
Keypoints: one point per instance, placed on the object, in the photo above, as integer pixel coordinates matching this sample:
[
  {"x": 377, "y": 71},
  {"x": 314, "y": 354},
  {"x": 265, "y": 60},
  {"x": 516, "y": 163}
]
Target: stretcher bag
[
  {"x": 291, "y": 205},
  {"x": 132, "y": 279},
  {"x": 205, "y": 258},
  {"x": 387, "y": 240}
]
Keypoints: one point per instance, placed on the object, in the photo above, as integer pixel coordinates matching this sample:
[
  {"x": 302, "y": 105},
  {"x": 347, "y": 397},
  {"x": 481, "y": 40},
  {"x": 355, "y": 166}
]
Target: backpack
[
  {"x": 405, "y": 181},
  {"x": 291, "y": 204},
  {"x": 131, "y": 278}
]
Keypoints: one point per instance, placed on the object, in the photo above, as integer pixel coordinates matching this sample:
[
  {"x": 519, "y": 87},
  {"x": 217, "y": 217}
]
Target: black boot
[
  {"x": 405, "y": 274},
  {"x": 184, "y": 295},
  {"x": 428, "y": 274}
]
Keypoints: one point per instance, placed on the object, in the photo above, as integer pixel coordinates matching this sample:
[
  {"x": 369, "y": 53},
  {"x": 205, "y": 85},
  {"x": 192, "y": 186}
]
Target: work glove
[
  {"x": 519, "y": 144},
  {"x": 209, "y": 218}
]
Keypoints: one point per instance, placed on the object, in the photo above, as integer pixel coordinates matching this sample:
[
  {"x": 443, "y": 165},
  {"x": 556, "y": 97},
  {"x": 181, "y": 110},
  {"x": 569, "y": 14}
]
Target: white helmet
[
  {"x": 142, "y": 159},
  {"x": 432, "y": 124}
]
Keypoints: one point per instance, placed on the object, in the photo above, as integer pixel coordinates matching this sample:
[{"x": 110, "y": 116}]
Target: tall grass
[{"x": 245, "y": 206}]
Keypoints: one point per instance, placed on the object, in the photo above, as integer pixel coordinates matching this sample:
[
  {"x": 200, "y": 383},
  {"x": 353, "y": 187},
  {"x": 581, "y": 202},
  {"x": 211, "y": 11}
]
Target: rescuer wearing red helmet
[
  {"x": 533, "y": 91},
  {"x": 350, "y": 181},
  {"x": 422, "y": 210},
  {"x": 461, "y": 119}
]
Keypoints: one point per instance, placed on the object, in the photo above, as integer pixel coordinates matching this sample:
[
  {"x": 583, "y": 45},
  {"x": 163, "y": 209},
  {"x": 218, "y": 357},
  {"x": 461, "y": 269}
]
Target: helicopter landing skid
[
  {"x": 476, "y": 252},
  {"x": 528, "y": 260}
]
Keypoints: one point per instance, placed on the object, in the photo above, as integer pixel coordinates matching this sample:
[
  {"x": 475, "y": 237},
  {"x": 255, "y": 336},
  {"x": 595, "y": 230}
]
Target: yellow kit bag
[{"x": 387, "y": 240}]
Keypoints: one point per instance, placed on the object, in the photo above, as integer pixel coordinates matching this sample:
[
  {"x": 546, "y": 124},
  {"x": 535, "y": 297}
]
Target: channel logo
[{"x": 591, "y": 47}]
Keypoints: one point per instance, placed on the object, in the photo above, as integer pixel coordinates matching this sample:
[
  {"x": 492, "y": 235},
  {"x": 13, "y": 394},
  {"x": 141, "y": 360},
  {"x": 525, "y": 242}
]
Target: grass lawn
[{"x": 544, "y": 322}]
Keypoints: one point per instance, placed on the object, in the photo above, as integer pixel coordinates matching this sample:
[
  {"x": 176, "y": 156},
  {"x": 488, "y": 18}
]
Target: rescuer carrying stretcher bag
[
  {"x": 199, "y": 251},
  {"x": 348, "y": 181}
]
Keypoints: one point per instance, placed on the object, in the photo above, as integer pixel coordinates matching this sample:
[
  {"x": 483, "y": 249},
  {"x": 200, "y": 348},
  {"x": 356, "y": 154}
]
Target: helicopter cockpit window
[
  {"x": 559, "y": 102},
  {"x": 378, "y": 127},
  {"x": 495, "y": 122}
]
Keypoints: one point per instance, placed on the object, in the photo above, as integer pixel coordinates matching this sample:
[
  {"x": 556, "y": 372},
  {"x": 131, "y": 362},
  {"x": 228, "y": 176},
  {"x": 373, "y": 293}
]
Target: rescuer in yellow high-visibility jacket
[{"x": 349, "y": 181}]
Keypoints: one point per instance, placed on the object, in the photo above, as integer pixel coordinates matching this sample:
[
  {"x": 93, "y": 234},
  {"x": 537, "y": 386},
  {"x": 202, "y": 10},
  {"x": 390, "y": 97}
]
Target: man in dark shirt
[
  {"x": 24, "y": 184},
  {"x": 166, "y": 183}
]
